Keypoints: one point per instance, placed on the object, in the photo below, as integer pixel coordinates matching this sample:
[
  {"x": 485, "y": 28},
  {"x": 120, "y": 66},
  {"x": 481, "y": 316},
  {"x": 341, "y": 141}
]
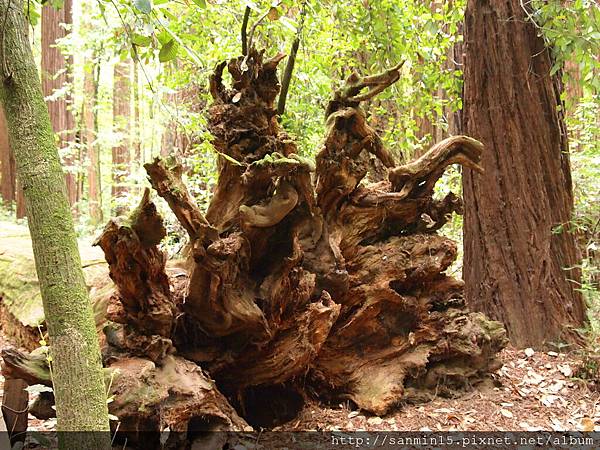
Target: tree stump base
[{"x": 303, "y": 279}]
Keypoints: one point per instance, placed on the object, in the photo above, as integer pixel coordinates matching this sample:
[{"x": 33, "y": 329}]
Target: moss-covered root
[{"x": 77, "y": 370}]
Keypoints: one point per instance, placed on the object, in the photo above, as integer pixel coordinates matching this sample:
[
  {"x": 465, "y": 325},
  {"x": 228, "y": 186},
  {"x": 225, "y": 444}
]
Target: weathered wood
[
  {"x": 166, "y": 180},
  {"x": 137, "y": 267},
  {"x": 31, "y": 367},
  {"x": 177, "y": 396},
  {"x": 334, "y": 286}
]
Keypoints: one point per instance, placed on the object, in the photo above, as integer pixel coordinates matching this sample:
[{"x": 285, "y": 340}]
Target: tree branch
[
  {"x": 289, "y": 68},
  {"x": 244, "y": 31}
]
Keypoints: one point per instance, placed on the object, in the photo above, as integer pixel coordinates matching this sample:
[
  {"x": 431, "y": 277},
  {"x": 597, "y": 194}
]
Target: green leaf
[
  {"x": 164, "y": 37},
  {"x": 143, "y": 6},
  {"x": 168, "y": 51},
  {"x": 200, "y": 3},
  {"x": 140, "y": 40},
  {"x": 555, "y": 68}
]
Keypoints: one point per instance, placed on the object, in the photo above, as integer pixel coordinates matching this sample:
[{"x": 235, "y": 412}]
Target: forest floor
[
  {"x": 529, "y": 393},
  {"x": 532, "y": 391}
]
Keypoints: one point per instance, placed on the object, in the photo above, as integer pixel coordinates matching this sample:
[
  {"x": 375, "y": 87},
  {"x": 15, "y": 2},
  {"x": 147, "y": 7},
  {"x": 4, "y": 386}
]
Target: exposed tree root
[{"x": 332, "y": 281}]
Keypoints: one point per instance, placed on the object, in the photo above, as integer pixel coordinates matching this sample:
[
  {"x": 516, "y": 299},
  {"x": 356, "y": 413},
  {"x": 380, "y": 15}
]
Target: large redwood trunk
[
  {"x": 55, "y": 77},
  {"x": 520, "y": 257},
  {"x": 303, "y": 279},
  {"x": 121, "y": 155}
]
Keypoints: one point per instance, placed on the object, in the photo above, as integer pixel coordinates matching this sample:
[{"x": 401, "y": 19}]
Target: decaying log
[
  {"x": 147, "y": 397},
  {"x": 299, "y": 274},
  {"x": 137, "y": 267},
  {"x": 177, "y": 396},
  {"x": 31, "y": 367},
  {"x": 166, "y": 180}
]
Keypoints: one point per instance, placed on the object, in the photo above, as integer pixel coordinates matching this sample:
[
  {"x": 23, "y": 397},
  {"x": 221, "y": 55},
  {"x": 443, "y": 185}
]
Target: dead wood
[{"x": 302, "y": 277}]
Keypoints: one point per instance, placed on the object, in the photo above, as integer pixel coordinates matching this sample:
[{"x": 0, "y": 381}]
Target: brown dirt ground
[{"x": 530, "y": 393}]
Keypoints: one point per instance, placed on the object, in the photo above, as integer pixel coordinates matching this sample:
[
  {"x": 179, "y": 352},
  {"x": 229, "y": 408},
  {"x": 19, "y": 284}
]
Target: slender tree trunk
[
  {"x": 121, "y": 157},
  {"x": 77, "y": 370},
  {"x": 455, "y": 61},
  {"x": 137, "y": 142},
  {"x": 175, "y": 140},
  {"x": 55, "y": 76},
  {"x": 7, "y": 165},
  {"x": 92, "y": 150},
  {"x": 519, "y": 253},
  {"x": 168, "y": 140}
]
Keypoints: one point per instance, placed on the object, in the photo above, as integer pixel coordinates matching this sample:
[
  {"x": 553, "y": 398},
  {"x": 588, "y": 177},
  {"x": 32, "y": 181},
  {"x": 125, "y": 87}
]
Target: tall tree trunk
[
  {"x": 55, "y": 76},
  {"x": 77, "y": 369},
  {"x": 519, "y": 253},
  {"x": 121, "y": 157},
  {"x": 137, "y": 141},
  {"x": 7, "y": 165},
  {"x": 93, "y": 152}
]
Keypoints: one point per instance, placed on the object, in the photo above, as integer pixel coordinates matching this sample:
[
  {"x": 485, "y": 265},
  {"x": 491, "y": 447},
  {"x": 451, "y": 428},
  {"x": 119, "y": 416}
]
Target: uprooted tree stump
[{"x": 300, "y": 274}]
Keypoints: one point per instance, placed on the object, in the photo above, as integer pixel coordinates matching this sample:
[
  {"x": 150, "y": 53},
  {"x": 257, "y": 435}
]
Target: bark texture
[
  {"x": 8, "y": 182},
  {"x": 520, "y": 257},
  {"x": 78, "y": 381},
  {"x": 56, "y": 78}
]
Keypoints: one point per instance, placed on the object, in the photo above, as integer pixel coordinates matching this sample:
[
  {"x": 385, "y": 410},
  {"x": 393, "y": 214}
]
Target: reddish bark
[
  {"x": 7, "y": 165},
  {"x": 56, "y": 77},
  {"x": 520, "y": 257}
]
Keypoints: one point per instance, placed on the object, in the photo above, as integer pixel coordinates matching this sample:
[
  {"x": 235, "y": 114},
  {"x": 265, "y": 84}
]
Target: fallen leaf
[
  {"x": 443, "y": 410},
  {"x": 353, "y": 414},
  {"x": 375, "y": 420},
  {"x": 565, "y": 369},
  {"x": 548, "y": 399},
  {"x": 533, "y": 378},
  {"x": 554, "y": 354},
  {"x": 557, "y": 425},
  {"x": 524, "y": 425},
  {"x": 586, "y": 424},
  {"x": 506, "y": 413},
  {"x": 556, "y": 387},
  {"x": 529, "y": 352}
]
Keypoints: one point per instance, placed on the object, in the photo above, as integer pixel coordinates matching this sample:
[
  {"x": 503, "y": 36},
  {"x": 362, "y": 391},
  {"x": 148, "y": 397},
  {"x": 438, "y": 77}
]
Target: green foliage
[
  {"x": 168, "y": 51},
  {"x": 572, "y": 30}
]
